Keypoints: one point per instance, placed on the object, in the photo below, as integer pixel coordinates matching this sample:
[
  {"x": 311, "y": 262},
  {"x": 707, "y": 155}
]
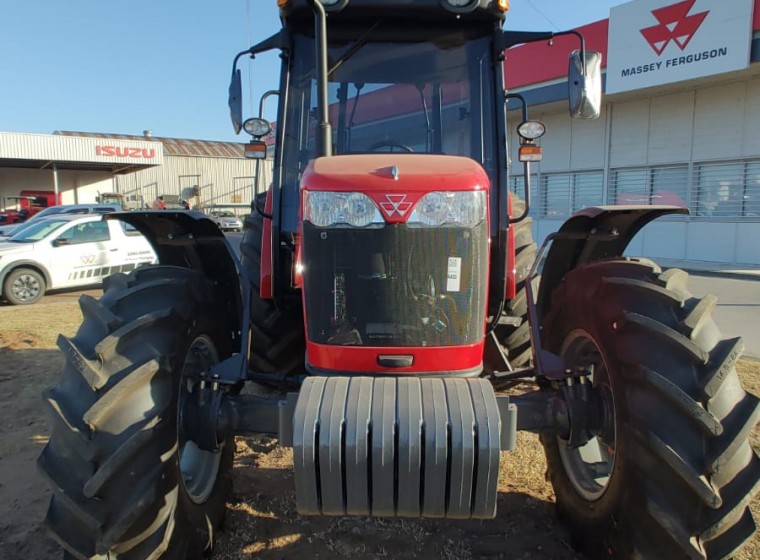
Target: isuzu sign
[
  {"x": 125, "y": 152},
  {"x": 655, "y": 42}
]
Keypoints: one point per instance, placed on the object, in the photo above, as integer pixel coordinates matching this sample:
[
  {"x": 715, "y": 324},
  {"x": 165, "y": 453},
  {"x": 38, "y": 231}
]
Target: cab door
[{"x": 81, "y": 255}]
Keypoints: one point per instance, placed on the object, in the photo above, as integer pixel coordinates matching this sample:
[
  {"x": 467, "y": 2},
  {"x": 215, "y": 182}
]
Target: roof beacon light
[{"x": 459, "y": 5}]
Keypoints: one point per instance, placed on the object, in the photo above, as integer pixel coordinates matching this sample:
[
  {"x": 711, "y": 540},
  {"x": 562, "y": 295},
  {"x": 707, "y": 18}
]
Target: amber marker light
[
  {"x": 530, "y": 152},
  {"x": 256, "y": 150}
]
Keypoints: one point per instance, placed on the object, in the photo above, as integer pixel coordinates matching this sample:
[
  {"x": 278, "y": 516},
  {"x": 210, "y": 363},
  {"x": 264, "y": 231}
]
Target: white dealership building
[
  {"x": 79, "y": 166},
  {"x": 680, "y": 124}
]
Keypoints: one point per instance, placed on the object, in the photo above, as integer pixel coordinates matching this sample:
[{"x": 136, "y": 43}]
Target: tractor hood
[{"x": 395, "y": 172}]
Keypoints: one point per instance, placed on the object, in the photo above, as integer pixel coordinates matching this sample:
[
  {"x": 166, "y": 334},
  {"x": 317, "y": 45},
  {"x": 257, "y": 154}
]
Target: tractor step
[{"x": 409, "y": 447}]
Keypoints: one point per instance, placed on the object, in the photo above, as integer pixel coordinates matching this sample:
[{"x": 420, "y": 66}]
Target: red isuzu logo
[
  {"x": 675, "y": 25},
  {"x": 117, "y": 151}
]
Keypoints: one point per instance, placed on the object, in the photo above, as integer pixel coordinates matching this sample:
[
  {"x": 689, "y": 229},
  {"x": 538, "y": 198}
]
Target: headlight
[
  {"x": 465, "y": 209},
  {"x": 257, "y": 127},
  {"x": 325, "y": 209},
  {"x": 531, "y": 130}
]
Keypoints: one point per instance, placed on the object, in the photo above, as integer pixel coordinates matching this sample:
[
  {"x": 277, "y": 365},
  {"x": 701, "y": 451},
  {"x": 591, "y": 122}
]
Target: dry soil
[{"x": 261, "y": 518}]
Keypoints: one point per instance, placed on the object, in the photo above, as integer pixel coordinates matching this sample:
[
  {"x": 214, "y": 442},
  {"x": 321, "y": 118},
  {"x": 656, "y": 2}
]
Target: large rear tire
[
  {"x": 278, "y": 342},
  {"x": 128, "y": 482},
  {"x": 672, "y": 472}
]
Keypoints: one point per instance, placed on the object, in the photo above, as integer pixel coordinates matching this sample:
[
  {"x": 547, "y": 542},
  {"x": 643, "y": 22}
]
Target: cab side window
[{"x": 91, "y": 232}]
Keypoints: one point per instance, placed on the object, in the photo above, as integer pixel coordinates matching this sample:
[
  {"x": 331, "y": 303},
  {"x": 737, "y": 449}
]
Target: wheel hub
[
  {"x": 26, "y": 287},
  {"x": 589, "y": 453},
  {"x": 198, "y": 464}
]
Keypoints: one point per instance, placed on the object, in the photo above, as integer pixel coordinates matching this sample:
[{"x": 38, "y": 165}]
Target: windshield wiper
[{"x": 360, "y": 42}]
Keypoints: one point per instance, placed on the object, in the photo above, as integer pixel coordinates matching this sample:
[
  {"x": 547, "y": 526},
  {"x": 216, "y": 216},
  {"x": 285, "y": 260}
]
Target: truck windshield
[
  {"x": 38, "y": 230},
  {"x": 423, "y": 97}
]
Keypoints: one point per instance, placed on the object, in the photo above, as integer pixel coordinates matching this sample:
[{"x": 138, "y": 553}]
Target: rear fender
[
  {"x": 190, "y": 239},
  {"x": 593, "y": 233}
]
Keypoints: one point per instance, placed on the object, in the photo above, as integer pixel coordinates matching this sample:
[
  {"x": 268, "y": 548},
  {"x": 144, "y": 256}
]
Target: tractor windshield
[{"x": 434, "y": 96}]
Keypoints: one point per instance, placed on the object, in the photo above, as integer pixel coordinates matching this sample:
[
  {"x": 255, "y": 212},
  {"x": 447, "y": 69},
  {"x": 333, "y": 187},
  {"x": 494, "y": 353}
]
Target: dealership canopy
[{"x": 38, "y": 151}]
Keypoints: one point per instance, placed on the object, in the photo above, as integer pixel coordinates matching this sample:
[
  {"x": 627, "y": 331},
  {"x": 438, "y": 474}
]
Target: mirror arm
[
  {"x": 582, "y": 42},
  {"x": 526, "y": 165},
  {"x": 276, "y": 41},
  {"x": 509, "y": 39}
]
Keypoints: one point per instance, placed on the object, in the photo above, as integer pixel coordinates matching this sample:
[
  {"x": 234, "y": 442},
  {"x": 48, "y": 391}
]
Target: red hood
[{"x": 394, "y": 173}]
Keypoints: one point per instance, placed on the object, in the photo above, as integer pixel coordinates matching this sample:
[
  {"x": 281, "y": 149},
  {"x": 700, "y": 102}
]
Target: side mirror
[
  {"x": 235, "y": 101},
  {"x": 61, "y": 242},
  {"x": 585, "y": 85}
]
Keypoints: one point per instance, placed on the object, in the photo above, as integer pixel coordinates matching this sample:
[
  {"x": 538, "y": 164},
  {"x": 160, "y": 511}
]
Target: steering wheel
[{"x": 390, "y": 144}]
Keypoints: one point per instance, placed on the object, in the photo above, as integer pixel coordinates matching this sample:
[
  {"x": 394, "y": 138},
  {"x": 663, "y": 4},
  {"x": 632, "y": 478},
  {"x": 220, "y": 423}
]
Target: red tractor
[
  {"x": 390, "y": 288},
  {"x": 29, "y": 203}
]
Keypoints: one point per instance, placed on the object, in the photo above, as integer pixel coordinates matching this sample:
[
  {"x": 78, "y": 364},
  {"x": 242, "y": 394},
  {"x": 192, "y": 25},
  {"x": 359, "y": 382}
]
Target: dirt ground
[{"x": 261, "y": 519}]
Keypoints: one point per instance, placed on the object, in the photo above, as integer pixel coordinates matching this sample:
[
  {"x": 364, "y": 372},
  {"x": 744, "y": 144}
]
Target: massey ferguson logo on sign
[
  {"x": 674, "y": 25},
  {"x": 655, "y": 42},
  {"x": 395, "y": 204}
]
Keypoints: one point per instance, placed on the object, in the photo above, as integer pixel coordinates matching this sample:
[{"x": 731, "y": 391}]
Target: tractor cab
[{"x": 390, "y": 137}]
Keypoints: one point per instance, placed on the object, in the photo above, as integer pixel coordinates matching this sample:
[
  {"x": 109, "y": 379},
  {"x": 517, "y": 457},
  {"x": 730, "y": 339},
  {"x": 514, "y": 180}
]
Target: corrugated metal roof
[{"x": 174, "y": 146}]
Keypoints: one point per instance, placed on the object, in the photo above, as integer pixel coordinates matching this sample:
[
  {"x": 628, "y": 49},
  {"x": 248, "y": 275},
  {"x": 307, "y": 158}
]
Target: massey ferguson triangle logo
[
  {"x": 675, "y": 25},
  {"x": 395, "y": 204}
]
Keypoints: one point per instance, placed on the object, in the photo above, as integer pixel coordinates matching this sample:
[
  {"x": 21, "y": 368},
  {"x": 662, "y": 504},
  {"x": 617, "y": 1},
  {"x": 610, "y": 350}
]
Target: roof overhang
[{"x": 42, "y": 151}]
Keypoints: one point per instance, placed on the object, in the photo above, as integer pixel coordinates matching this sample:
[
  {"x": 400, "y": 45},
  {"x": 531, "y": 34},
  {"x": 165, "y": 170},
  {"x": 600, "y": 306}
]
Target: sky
[{"x": 164, "y": 65}]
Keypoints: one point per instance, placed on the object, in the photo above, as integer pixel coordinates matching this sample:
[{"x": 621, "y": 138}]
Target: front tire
[
  {"x": 128, "y": 483},
  {"x": 24, "y": 286},
  {"x": 278, "y": 340},
  {"x": 513, "y": 330},
  {"x": 671, "y": 473}
]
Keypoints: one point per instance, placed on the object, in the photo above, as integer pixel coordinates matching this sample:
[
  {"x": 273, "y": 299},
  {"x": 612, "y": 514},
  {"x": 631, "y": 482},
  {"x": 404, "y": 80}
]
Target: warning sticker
[{"x": 454, "y": 274}]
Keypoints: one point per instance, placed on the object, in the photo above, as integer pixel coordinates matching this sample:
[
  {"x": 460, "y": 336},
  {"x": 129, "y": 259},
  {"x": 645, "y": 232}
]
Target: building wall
[
  {"x": 220, "y": 182},
  {"x": 698, "y": 148},
  {"x": 73, "y": 186}
]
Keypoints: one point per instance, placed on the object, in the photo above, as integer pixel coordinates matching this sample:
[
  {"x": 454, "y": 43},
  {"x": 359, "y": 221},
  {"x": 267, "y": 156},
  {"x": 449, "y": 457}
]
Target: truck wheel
[
  {"x": 24, "y": 286},
  {"x": 128, "y": 481},
  {"x": 514, "y": 331},
  {"x": 278, "y": 342},
  {"x": 668, "y": 471}
]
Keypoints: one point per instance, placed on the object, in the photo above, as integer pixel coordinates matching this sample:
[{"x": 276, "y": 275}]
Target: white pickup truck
[{"x": 68, "y": 251}]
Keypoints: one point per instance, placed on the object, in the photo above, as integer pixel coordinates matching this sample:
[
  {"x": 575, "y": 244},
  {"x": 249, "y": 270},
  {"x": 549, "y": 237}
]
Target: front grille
[{"x": 395, "y": 285}]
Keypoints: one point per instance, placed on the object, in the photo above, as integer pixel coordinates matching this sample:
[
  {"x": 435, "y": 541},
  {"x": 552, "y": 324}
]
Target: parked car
[
  {"x": 226, "y": 220},
  {"x": 9, "y": 230},
  {"x": 68, "y": 251}
]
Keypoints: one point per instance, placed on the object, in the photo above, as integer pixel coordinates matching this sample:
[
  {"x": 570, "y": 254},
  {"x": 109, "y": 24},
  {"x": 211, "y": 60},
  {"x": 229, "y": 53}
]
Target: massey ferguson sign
[{"x": 655, "y": 42}]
